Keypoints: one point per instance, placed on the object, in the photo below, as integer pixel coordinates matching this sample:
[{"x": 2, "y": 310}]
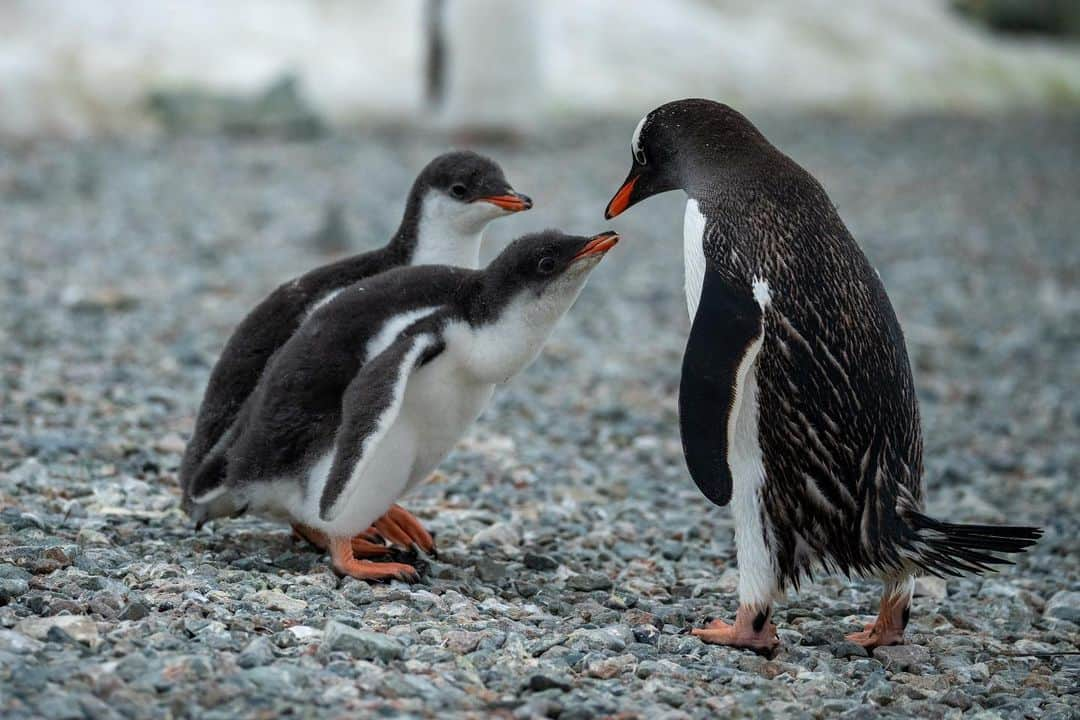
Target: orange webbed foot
[
  {"x": 752, "y": 630},
  {"x": 399, "y": 527},
  {"x": 877, "y": 634},
  {"x": 362, "y": 545},
  {"x": 345, "y": 562},
  {"x": 888, "y": 628}
]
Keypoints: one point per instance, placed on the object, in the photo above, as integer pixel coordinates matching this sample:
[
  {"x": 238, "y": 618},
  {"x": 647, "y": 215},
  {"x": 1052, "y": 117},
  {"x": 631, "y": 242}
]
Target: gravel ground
[{"x": 575, "y": 551}]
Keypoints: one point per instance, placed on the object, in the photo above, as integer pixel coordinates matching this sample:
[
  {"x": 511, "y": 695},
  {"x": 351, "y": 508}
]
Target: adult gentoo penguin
[
  {"x": 450, "y": 203},
  {"x": 374, "y": 389},
  {"x": 796, "y": 403}
]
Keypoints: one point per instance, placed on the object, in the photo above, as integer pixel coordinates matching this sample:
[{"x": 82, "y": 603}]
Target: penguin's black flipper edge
[
  {"x": 370, "y": 405},
  {"x": 724, "y": 340}
]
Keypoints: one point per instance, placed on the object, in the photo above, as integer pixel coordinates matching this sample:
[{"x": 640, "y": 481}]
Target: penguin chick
[
  {"x": 452, "y": 200},
  {"x": 796, "y": 402},
  {"x": 378, "y": 384}
]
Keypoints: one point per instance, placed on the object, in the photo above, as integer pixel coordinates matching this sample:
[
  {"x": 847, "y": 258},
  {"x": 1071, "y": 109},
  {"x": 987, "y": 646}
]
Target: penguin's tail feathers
[{"x": 952, "y": 549}]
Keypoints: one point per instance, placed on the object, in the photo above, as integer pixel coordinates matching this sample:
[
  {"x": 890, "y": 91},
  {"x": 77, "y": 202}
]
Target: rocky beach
[{"x": 575, "y": 553}]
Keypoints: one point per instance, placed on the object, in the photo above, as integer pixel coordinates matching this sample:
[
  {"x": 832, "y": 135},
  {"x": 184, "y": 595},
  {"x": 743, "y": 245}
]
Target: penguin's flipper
[
  {"x": 724, "y": 341},
  {"x": 369, "y": 407}
]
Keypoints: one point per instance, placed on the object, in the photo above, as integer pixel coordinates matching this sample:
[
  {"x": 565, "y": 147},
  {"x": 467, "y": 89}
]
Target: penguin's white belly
[
  {"x": 693, "y": 255},
  {"x": 441, "y": 403},
  {"x": 439, "y": 406}
]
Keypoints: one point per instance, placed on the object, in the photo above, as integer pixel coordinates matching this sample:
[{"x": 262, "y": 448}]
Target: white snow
[{"x": 73, "y": 67}]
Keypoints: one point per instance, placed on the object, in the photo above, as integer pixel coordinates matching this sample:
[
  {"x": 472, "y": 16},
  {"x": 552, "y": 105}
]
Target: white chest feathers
[
  {"x": 497, "y": 351},
  {"x": 693, "y": 255},
  {"x": 450, "y": 232}
]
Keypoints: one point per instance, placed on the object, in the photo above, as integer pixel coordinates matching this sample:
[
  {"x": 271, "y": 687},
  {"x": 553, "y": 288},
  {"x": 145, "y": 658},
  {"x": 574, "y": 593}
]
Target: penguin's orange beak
[
  {"x": 598, "y": 245},
  {"x": 621, "y": 201},
  {"x": 512, "y": 201}
]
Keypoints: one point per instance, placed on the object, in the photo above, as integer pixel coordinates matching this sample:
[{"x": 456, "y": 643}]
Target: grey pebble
[
  {"x": 1064, "y": 605},
  {"x": 534, "y": 561},
  {"x": 588, "y": 582},
  {"x": 902, "y": 657},
  {"x": 260, "y": 651},
  {"x": 359, "y": 643}
]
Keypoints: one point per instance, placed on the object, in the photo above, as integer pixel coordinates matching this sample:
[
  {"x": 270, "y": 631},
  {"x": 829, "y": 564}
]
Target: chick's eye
[
  {"x": 546, "y": 265},
  {"x": 457, "y": 190}
]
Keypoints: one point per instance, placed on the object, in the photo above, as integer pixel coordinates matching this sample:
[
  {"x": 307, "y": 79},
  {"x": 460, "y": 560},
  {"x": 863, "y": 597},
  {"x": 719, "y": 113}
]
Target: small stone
[
  {"x": 171, "y": 443},
  {"x": 897, "y": 658},
  {"x": 360, "y": 644},
  {"x": 279, "y": 601},
  {"x": 11, "y": 588},
  {"x": 18, "y": 643},
  {"x": 847, "y": 649},
  {"x": 497, "y": 534},
  {"x": 305, "y": 633},
  {"x": 588, "y": 582},
  {"x": 539, "y": 562},
  {"x": 258, "y": 652},
  {"x": 297, "y": 635},
  {"x": 620, "y": 601},
  {"x": 60, "y": 707},
  {"x": 1064, "y": 605},
  {"x": 135, "y": 610},
  {"x": 931, "y": 587},
  {"x": 88, "y": 537},
  {"x": 539, "y": 683},
  {"x": 956, "y": 698},
  {"x": 56, "y": 634},
  {"x": 526, "y": 589},
  {"x": 78, "y": 627},
  {"x": 99, "y": 300},
  {"x": 980, "y": 672},
  {"x": 14, "y": 572},
  {"x": 1033, "y": 647},
  {"x": 881, "y": 691},
  {"x": 610, "y": 638},
  {"x": 357, "y": 592},
  {"x": 608, "y": 668},
  {"x": 43, "y": 559},
  {"x": 490, "y": 571},
  {"x": 672, "y": 550},
  {"x": 675, "y": 697},
  {"x": 461, "y": 641},
  {"x": 647, "y": 634},
  {"x": 630, "y": 551}
]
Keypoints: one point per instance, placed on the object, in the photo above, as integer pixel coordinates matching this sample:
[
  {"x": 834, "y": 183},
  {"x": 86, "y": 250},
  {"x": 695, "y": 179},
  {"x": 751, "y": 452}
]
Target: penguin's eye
[
  {"x": 546, "y": 265},
  {"x": 457, "y": 190},
  {"x": 639, "y": 155}
]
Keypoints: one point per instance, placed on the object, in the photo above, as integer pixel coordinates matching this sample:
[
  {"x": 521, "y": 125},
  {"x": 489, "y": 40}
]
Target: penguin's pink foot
[
  {"x": 400, "y": 527},
  {"x": 365, "y": 548},
  {"x": 888, "y": 629},
  {"x": 345, "y": 563},
  {"x": 362, "y": 546},
  {"x": 752, "y": 630}
]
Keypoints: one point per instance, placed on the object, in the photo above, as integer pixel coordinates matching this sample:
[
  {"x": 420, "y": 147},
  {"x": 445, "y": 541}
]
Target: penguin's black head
[
  {"x": 467, "y": 178},
  {"x": 545, "y": 271},
  {"x": 679, "y": 142},
  {"x": 537, "y": 259}
]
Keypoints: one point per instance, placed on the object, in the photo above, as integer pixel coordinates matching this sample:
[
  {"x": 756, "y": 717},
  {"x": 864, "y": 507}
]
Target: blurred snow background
[{"x": 70, "y": 67}]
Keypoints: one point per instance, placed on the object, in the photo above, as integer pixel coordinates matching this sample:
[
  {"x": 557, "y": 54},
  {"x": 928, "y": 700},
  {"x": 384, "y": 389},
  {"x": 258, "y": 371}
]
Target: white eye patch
[{"x": 635, "y": 142}]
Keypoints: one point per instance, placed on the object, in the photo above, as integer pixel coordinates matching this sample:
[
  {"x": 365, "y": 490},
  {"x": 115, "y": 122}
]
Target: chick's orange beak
[
  {"x": 512, "y": 201},
  {"x": 621, "y": 201},
  {"x": 598, "y": 245}
]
